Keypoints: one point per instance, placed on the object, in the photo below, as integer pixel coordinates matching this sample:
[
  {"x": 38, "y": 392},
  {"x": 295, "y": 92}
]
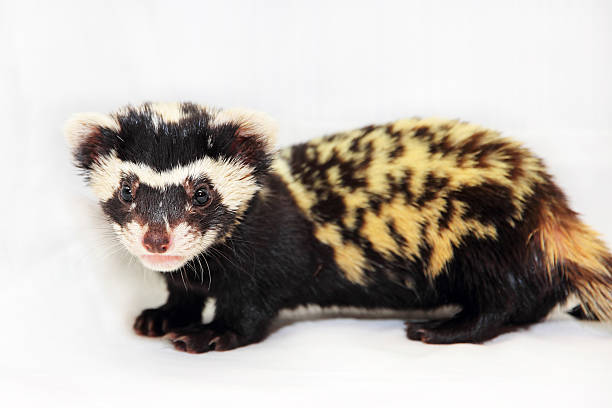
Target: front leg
[
  {"x": 239, "y": 326},
  {"x": 200, "y": 338},
  {"x": 182, "y": 308}
]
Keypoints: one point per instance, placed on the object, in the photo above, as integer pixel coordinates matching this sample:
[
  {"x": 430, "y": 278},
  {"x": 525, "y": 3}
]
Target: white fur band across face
[{"x": 234, "y": 181}]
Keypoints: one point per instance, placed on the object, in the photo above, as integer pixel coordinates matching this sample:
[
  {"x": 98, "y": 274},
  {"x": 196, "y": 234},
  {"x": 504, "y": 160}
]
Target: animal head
[{"x": 172, "y": 179}]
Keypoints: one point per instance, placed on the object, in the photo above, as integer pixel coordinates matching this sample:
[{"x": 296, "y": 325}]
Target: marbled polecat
[{"x": 417, "y": 213}]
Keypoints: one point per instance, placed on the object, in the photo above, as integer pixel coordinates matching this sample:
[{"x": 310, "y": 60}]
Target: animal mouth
[{"x": 162, "y": 262}]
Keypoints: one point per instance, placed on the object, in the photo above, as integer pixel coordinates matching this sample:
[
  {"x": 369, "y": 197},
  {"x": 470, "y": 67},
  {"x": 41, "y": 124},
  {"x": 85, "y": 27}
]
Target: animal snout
[{"x": 156, "y": 241}]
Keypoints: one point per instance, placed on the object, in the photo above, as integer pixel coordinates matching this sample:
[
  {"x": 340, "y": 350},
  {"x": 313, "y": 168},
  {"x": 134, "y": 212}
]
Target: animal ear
[
  {"x": 90, "y": 136},
  {"x": 255, "y": 136}
]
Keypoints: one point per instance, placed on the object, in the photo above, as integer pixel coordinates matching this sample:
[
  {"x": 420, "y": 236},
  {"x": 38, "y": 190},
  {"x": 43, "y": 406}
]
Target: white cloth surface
[{"x": 536, "y": 70}]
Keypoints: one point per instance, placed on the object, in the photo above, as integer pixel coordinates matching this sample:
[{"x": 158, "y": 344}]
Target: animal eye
[
  {"x": 201, "y": 197},
  {"x": 126, "y": 193}
]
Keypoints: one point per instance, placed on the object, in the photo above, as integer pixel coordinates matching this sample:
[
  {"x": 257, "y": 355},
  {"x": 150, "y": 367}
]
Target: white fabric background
[{"x": 536, "y": 70}]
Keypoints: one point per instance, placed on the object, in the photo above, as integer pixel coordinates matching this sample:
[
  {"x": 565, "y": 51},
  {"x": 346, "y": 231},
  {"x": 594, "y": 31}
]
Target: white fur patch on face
[
  {"x": 82, "y": 125},
  {"x": 185, "y": 243},
  {"x": 189, "y": 242},
  {"x": 131, "y": 236},
  {"x": 105, "y": 176},
  {"x": 234, "y": 181}
]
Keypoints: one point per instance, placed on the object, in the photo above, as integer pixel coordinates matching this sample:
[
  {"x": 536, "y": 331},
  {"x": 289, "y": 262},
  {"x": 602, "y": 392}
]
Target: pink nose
[{"x": 156, "y": 241}]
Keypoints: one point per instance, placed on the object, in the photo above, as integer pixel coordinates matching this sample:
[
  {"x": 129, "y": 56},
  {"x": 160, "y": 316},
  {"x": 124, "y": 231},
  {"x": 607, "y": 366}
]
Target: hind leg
[
  {"x": 465, "y": 327},
  {"x": 477, "y": 324}
]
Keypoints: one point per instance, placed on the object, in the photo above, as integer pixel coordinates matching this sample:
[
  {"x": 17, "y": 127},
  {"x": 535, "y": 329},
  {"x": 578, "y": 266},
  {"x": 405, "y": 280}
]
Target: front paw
[
  {"x": 200, "y": 338},
  {"x": 157, "y": 322}
]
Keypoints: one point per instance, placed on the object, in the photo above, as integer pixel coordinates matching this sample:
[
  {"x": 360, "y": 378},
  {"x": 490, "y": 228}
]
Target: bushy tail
[{"x": 576, "y": 250}]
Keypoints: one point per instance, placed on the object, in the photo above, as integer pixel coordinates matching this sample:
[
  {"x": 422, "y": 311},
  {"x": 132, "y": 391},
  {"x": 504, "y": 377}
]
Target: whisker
[
  {"x": 201, "y": 269},
  {"x": 209, "y": 274},
  {"x": 183, "y": 278}
]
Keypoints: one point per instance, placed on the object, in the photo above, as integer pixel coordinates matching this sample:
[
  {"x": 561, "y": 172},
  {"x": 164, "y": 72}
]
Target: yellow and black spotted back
[{"x": 414, "y": 183}]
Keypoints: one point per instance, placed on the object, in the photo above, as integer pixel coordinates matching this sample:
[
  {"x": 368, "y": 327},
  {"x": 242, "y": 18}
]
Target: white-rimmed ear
[
  {"x": 81, "y": 126},
  {"x": 256, "y": 131},
  {"x": 85, "y": 134}
]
